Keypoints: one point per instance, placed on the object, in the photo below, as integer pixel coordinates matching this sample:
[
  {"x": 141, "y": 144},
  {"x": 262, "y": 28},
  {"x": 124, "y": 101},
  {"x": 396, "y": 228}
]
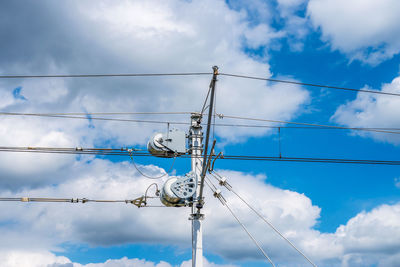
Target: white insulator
[
  {"x": 155, "y": 145},
  {"x": 169, "y": 198}
]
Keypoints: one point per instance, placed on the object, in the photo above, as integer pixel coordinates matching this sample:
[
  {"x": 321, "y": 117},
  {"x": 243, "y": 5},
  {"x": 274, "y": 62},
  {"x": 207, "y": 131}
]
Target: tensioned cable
[
  {"x": 148, "y": 176},
  {"x": 93, "y": 118},
  {"x": 305, "y": 125},
  {"x": 191, "y": 74},
  {"x": 105, "y": 75},
  {"x": 205, "y": 101},
  {"x": 124, "y": 152},
  {"x": 72, "y": 200},
  {"x": 99, "y": 113},
  {"x": 225, "y": 203},
  {"x": 263, "y": 218},
  {"x": 309, "y": 84}
]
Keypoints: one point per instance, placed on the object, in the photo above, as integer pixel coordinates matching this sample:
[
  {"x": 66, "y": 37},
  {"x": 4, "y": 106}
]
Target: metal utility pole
[
  {"x": 205, "y": 152},
  {"x": 196, "y": 147},
  {"x": 199, "y": 167}
]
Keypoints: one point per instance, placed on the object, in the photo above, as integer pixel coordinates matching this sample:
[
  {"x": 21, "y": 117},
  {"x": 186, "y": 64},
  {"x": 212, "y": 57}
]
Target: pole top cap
[{"x": 215, "y": 68}]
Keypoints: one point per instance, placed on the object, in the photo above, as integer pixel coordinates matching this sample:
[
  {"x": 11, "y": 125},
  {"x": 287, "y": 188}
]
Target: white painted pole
[{"x": 196, "y": 146}]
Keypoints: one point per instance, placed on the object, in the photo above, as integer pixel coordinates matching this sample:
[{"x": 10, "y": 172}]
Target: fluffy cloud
[
  {"x": 369, "y": 236},
  {"x": 101, "y": 179},
  {"x": 120, "y": 37},
  {"x": 372, "y": 110},
  {"x": 366, "y": 30},
  {"x": 17, "y": 258},
  {"x": 296, "y": 26}
]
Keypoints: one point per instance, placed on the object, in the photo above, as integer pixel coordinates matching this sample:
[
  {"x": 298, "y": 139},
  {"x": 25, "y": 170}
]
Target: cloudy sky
[{"x": 337, "y": 214}]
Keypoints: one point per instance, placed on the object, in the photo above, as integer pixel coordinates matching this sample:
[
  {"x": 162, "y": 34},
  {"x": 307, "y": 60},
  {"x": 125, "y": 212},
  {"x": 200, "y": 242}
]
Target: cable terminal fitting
[
  {"x": 223, "y": 182},
  {"x": 217, "y": 193}
]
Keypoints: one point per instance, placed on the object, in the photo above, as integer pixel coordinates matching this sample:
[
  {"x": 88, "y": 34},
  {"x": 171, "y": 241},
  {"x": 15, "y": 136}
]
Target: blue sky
[{"x": 338, "y": 214}]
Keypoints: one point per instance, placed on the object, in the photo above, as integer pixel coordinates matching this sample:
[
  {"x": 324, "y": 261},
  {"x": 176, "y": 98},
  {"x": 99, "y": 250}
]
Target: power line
[
  {"x": 229, "y": 187},
  {"x": 97, "y": 113},
  {"x": 148, "y": 176},
  {"x": 192, "y": 74},
  {"x": 308, "y": 126},
  {"x": 91, "y": 118},
  {"x": 217, "y": 194},
  {"x": 124, "y": 152},
  {"x": 309, "y": 84},
  {"x": 139, "y": 202},
  {"x": 104, "y": 75}
]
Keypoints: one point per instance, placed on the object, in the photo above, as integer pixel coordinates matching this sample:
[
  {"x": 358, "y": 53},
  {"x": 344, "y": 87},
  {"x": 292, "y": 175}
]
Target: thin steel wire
[
  {"x": 225, "y": 203},
  {"x": 309, "y": 84},
  {"x": 99, "y": 113},
  {"x": 148, "y": 176},
  {"x": 306, "y": 124},
  {"x": 123, "y": 152},
  {"x": 92, "y": 118},
  {"x": 75, "y": 200},
  {"x": 104, "y": 75},
  {"x": 265, "y": 220},
  {"x": 309, "y": 126}
]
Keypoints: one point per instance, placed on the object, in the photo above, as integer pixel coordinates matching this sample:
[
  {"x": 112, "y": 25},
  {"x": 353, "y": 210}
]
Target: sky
[{"x": 337, "y": 214}]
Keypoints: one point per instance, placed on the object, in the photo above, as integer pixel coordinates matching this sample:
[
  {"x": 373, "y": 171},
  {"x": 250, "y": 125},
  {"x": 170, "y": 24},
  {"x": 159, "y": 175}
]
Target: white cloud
[
  {"x": 373, "y": 110},
  {"x": 369, "y": 236},
  {"x": 18, "y": 258},
  {"x": 41, "y": 258},
  {"x": 126, "y": 36},
  {"x": 366, "y": 30},
  {"x": 125, "y": 262},
  {"x": 151, "y": 36}
]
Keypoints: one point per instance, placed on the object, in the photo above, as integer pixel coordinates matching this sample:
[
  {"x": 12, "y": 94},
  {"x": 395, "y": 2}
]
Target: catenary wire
[
  {"x": 190, "y": 74},
  {"x": 148, "y": 176},
  {"x": 263, "y": 218},
  {"x": 309, "y": 126},
  {"x": 70, "y": 200},
  {"x": 99, "y": 113},
  {"x": 94, "y": 118},
  {"x": 205, "y": 101},
  {"x": 309, "y": 84},
  {"x": 225, "y": 203},
  {"x": 304, "y": 124},
  {"x": 104, "y": 75},
  {"x": 124, "y": 152}
]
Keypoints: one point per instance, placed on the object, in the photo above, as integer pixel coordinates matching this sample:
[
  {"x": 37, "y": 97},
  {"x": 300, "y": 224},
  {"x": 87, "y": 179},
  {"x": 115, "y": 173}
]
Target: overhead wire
[
  {"x": 205, "y": 101},
  {"x": 104, "y": 75},
  {"x": 308, "y": 126},
  {"x": 229, "y": 187},
  {"x": 99, "y": 113},
  {"x": 124, "y": 152},
  {"x": 148, "y": 176},
  {"x": 225, "y": 204},
  {"x": 73, "y": 200},
  {"x": 192, "y": 74},
  {"x": 308, "y": 84},
  {"x": 93, "y": 118}
]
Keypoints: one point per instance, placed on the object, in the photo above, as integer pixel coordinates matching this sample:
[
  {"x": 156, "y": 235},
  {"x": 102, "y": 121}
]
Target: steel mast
[
  {"x": 196, "y": 147},
  {"x": 199, "y": 167}
]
